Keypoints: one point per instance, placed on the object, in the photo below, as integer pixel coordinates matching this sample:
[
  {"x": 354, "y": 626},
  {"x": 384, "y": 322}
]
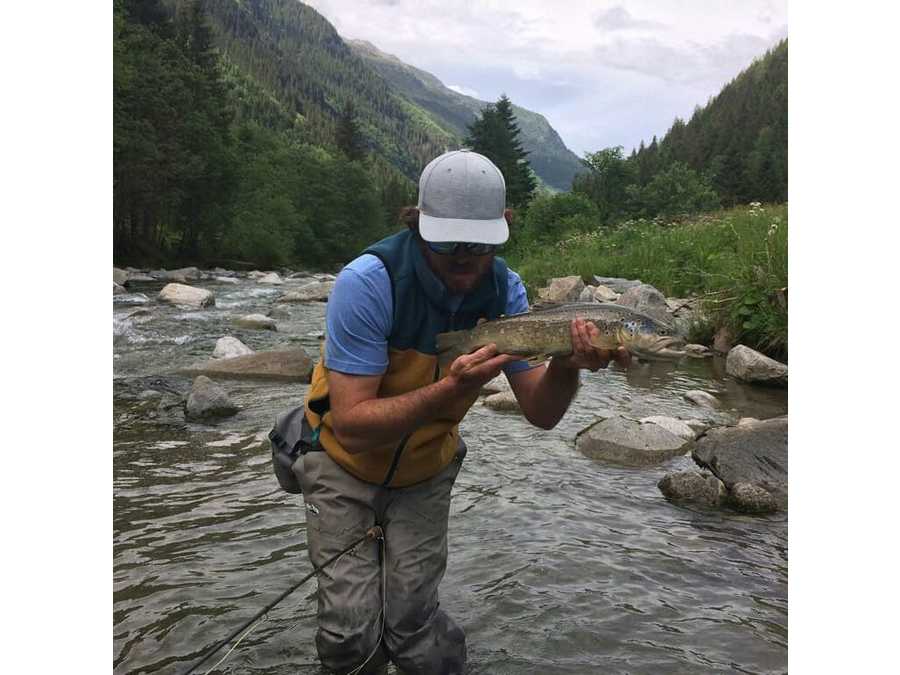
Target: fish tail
[{"x": 450, "y": 345}]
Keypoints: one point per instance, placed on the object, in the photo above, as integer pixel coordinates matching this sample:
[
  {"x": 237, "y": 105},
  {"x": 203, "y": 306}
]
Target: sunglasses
[{"x": 453, "y": 247}]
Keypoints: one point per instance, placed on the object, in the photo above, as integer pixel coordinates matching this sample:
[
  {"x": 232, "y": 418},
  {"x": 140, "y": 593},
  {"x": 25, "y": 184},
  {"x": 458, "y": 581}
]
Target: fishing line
[{"x": 373, "y": 533}]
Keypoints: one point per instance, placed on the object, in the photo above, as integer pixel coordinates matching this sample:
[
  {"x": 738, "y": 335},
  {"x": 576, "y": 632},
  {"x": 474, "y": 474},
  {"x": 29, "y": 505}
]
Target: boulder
[
  {"x": 119, "y": 276},
  {"x": 504, "y": 401},
  {"x": 693, "y": 487},
  {"x": 744, "y": 421},
  {"x": 617, "y": 284},
  {"x": 702, "y": 398},
  {"x": 227, "y": 280},
  {"x": 318, "y": 291},
  {"x": 672, "y": 425},
  {"x": 605, "y": 294},
  {"x": 698, "y": 426},
  {"x": 271, "y": 278},
  {"x": 749, "y": 365},
  {"x": 561, "y": 290},
  {"x": 118, "y": 290},
  {"x": 208, "y": 400},
  {"x": 626, "y": 442},
  {"x": 256, "y": 321},
  {"x": 723, "y": 340},
  {"x": 647, "y": 300},
  {"x": 754, "y": 453},
  {"x": 751, "y": 498},
  {"x": 228, "y": 347},
  {"x": 139, "y": 278},
  {"x": 587, "y": 294},
  {"x": 181, "y": 294},
  {"x": 288, "y": 365}
]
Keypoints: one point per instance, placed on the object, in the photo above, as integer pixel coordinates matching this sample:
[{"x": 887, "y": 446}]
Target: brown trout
[{"x": 538, "y": 335}]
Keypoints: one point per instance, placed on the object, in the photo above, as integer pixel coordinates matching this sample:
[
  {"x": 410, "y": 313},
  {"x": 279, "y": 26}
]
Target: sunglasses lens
[
  {"x": 443, "y": 247},
  {"x": 452, "y": 247},
  {"x": 480, "y": 249}
]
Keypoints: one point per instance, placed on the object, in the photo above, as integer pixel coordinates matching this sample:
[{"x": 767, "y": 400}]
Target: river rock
[
  {"x": 504, "y": 401},
  {"x": 287, "y": 365},
  {"x": 140, "y": 316},
  {"x": 183, "y": 275},
  {"x": 617, "y": 284},
  {"x": 300, "y": 275},
  {"x": 271, "y": 278},
  {"x": 318, "y": 291},
  {"x": 118, "y": 290},
  {"x": 561, "y": 290},
  {"x": 227, "y": 280},
  {"x": 256, "y": 321},
  {"x": 325, "y": 278},
  {"x": 672, "y": 425},
  {"x": 698, "y": 426},
  {"x": 208, "y": 400},
  {"x": 228, "y": 347},
  {"x": 749, "y": 365},
  {"x": 693, "y": 487},
  {"x": 752, "y": 498},
  {"x": 495, "y": 386},
  {"x": 587, "y": 294},
  {"x": 181, "y": 294},
  {"x": 754, "y": 453},
  {"x": 723, "y": 340},
  {"x": 697, "y": 351},
  {"x": 627, "y": 442},
  {"x": 255, "y": 275},
  {"x": 119, "y": 276},
  {"x": 279, "y": 312},
  {"x": 647, "y": 300},
  {"x": 139, "y": 278},
  {"x": 605, "y": 294},
  {"x": 702, "y": 398}
]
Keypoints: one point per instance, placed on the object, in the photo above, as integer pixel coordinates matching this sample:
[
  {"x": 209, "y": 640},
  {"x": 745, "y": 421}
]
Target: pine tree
[
  {"x": 347, "y": 134},
  {"x": 495, "y": 135}
]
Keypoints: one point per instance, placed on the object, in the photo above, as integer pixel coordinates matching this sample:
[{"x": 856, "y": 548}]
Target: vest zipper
[{"x": 399, "y": 451}]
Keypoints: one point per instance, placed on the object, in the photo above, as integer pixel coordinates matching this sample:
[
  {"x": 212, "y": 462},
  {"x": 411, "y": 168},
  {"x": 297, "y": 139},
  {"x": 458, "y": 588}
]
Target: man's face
[{"x": 460, "y": 272}]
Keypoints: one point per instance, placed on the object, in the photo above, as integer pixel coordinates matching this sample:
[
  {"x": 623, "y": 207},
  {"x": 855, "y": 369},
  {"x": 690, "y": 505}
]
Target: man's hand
[
  {"x": 473, "y": 370},
  {"x": 585, "y": 355}
]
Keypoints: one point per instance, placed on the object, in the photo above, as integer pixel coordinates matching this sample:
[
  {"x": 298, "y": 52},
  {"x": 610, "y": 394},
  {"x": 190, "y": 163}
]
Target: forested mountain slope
[{"x": 550, "y": 159}]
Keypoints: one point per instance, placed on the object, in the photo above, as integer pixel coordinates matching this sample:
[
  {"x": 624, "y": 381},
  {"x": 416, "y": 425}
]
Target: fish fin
[{"x": 537, "y": 359}]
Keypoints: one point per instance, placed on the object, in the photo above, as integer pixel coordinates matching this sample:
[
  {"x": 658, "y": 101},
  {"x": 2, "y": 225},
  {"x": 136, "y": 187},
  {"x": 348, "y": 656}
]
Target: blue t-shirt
[{"x": 359, "y": 317}]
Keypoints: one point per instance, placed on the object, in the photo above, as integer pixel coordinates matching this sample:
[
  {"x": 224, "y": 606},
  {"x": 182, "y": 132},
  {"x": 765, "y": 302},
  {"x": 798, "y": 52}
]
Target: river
[{"x": 557, "y": 563}]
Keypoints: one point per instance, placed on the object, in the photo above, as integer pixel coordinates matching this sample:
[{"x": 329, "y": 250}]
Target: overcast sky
[{"x": 602, "y": 72}]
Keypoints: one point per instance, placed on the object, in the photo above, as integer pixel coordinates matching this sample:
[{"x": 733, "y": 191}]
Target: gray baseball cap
[{"x": 462, "y": 196}]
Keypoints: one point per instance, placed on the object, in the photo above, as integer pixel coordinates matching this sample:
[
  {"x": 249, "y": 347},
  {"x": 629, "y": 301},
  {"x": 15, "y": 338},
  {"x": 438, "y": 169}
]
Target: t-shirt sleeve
[
  {"x": 358, "y": 319},
  {"x": 516, "y": 303}
]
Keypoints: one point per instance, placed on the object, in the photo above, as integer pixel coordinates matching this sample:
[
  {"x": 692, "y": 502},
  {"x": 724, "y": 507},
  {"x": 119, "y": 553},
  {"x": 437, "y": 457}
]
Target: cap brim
[{"x": 459, "y": 229}]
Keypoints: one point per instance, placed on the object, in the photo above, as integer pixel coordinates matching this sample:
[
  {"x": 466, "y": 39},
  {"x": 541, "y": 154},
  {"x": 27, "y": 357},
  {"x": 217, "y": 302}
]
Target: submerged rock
[
  {"x": 279, "y": 312},
  {"x": 228, "y": 347},
  {"x": 208, "y": 400},
  {"x": 693, "y": 487},
  {"x": 561, "y": 290},
  {"x": 749, "y": 365},
  {"x": 287, "y": 365},
  {"x": 257, "y": 321},
  {"x": 181, "y": 294},
  {"x": 702, "y": 398},
  {"x": 754, "y": 453},
  {"x": 317, "y": 291},
  {"x": 627, "y": 442}
]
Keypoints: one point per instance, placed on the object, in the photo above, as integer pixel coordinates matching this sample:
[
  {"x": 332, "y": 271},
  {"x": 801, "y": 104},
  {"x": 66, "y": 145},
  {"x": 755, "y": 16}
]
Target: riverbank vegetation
[{"x": 735, "y": 260}]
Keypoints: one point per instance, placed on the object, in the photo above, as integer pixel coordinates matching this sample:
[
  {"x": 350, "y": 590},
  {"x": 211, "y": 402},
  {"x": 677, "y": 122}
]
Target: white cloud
[{"x": 576, "y": 62}]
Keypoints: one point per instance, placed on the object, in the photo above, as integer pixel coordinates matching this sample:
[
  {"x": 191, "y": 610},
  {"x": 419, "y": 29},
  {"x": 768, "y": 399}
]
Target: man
[{"x": 386, "y": 416}]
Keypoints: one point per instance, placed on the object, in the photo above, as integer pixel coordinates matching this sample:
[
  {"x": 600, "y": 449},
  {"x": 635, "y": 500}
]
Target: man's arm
[
  {"x": 362, "y": 421},
  {"x": 545, "y": 393}
]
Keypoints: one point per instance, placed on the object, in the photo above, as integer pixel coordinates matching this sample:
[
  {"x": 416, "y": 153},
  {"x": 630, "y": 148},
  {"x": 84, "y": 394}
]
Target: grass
[{"x": 736, "y": 260}]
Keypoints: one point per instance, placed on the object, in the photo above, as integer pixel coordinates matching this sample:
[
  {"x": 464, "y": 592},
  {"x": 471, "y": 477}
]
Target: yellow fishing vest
[{"x": 421, "y": 310}]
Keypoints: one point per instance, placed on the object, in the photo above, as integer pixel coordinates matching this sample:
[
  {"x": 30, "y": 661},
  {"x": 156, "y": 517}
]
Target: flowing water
[{"x": 557, "y": 564}]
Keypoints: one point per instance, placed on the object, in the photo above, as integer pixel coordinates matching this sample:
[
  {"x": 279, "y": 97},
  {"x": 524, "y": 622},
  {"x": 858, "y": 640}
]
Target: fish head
[{"x": 647, "y": 338}]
